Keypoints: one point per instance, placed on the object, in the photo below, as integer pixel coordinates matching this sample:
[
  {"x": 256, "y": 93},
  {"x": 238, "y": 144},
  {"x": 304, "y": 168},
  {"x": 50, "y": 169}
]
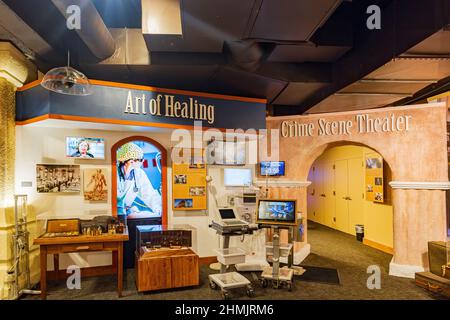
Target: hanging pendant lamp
[{"x": 67, "y": 80}]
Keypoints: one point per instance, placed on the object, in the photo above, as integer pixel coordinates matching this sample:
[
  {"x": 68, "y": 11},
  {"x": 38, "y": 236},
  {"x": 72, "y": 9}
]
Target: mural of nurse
[{"x": 136, "y": 196}]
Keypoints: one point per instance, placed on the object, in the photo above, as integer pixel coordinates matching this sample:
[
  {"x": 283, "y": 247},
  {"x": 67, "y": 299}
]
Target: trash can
[{"x": 359, "y": 228}]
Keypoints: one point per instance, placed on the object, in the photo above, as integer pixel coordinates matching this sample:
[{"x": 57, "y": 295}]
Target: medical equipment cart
[
  {"x": 279, "y": 277},
  {"x": 228, "y": 257}
]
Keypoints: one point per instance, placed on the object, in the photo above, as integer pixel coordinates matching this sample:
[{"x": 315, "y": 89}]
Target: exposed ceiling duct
[
  {"x": 92, "y": 31},
  {"x": 245, "y": 54},
  {"x": 15, "y": 30},
  {"x": 92, "y": 42},
  {"x": 296, "y": 54}
]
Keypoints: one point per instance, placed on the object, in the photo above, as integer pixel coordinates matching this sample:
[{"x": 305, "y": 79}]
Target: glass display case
[
  {"x": 156, "y": 237},
  {"x": 165, "y": 257}
]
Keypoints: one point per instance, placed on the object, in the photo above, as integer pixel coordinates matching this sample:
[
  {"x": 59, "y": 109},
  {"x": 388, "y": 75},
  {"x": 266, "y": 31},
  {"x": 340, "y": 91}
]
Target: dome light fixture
[{"x": 67, "y": 80}]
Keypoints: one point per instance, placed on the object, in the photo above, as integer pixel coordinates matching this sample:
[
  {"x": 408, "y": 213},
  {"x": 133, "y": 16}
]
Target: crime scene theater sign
[{"x": 359, "y": 123}]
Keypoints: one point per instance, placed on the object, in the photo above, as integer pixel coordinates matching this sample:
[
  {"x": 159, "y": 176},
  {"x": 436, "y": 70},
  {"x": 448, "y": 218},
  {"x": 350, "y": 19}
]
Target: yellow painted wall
[{"x": 376, "y": 217}]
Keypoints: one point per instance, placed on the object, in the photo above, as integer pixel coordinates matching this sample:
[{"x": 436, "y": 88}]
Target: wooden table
[{"x": 82, "y": 243}]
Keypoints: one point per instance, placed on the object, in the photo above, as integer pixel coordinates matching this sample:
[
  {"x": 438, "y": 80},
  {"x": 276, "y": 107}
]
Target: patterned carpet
[{"x": 329, "y": 249}]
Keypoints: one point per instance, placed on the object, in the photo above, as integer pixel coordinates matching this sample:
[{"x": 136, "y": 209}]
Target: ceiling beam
[
  {"x": 291, "y": 72},
  {"x": 337, "y": 30},
  {"x": 297, "y": 72},
  {"x": 367, "y": 80},
  {"x": 407, "y": 55},
  {"x": 91, "y": 43},
  {"x": 374, "y": 48},
  {"x": 368, "y": 93},
  {"x": 187, "y": 58},
  {"x": 434, "y": 89}
]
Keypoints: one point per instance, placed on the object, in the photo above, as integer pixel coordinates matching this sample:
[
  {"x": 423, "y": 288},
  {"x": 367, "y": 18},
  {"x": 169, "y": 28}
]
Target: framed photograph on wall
[
  {"x": 182, "y": 203},
  {"x": 95, "y": 187},
  {"x": 58, "y": 178},
  {"x": 374, "y": 177}
]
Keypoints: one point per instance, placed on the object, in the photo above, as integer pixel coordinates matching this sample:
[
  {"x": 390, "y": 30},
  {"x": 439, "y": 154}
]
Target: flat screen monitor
[
  {"x": 273, "y": 211},
  {"x": 227, "y": 214},
  {"x": 272, "y": 168},
  {"x": 233, "y": 177},
  {"x": 85, "y": 148}
]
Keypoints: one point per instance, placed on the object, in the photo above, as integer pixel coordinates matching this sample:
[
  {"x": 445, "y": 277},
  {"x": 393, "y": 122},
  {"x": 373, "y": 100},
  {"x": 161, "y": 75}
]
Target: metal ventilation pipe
[
  {"x": 93, "y": 31},
  {"x": 246, "y": 55}
]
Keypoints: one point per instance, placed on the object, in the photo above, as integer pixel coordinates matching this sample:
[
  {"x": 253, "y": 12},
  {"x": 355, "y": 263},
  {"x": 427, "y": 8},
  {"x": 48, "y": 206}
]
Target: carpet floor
[{"x": 329, "y": 249}]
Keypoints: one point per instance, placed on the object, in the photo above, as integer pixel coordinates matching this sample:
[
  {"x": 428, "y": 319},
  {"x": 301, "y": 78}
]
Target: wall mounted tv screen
[
  {"x": 85, "y": 148},
  {"x": 272, "y": 168},
  {"x": 277, "y": 212},
  {"x": 237, "y": 177}
]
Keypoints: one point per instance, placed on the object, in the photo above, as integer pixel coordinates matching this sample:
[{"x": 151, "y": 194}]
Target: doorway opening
[
  {"x": 349, "y": 192},
  {"x": 139, "y": 187}
]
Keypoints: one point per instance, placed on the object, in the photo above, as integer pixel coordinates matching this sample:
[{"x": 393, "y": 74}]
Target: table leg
[
  {"x": 56, "y": 265},
  {"x": 120, "y": 269},
  {"x": 114, "y": 261},
  {"x": 43, "y": 265}
]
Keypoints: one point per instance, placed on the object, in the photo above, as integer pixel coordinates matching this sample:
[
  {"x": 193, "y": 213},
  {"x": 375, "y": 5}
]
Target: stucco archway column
[
  {"x": 416, "y": 154},
  {"x": 7, "y": 140},
  {"x": 15, "y": 70},
  {"x": 426, "y": 201}
]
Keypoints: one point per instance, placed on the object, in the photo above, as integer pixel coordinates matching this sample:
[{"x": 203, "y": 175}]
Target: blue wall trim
[{"x": 110, "y": 103}]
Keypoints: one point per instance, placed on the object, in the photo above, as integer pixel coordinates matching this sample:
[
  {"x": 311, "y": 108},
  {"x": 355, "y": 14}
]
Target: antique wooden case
[{"x": 63, "y": 225}]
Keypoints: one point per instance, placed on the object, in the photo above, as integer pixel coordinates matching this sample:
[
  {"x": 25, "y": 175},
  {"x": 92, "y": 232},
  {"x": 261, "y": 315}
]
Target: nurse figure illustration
[{"x": 136, "y": 196}]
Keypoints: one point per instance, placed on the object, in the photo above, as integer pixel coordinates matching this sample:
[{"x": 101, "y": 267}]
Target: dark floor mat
[{"x": 321, "y": 275}]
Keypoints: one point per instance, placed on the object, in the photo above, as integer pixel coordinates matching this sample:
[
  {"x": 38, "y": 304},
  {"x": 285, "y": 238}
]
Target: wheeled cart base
[
  {"x": 230, "y": 280},
  {"x": 284, "y": 278}
]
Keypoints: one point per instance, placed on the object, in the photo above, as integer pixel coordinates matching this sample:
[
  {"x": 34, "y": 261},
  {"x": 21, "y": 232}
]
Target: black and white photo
[{"x": 58, "y": 178}]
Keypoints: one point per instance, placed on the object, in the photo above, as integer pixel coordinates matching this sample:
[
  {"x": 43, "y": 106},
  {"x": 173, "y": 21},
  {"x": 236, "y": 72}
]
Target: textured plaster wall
[
  {"x": 7, "y": 153},
  {"x": 418, "y": 154},
  {"x": 7, "y": 140}
]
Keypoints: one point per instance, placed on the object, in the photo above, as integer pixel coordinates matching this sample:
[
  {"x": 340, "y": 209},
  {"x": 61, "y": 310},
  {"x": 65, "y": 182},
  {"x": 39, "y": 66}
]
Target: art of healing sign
[
  {"x": 139, "y": 105},
  {"x": 168, "y": 105}
]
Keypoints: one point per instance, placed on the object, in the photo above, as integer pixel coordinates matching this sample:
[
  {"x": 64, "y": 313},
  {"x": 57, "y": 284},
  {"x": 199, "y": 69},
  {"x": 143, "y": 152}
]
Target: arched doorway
[
  {"x": 418, "y": 189},
  {"x": 139, "y": 186},
  {"x": 152, "y": 168},
  {"x": 349, "y": 186}
]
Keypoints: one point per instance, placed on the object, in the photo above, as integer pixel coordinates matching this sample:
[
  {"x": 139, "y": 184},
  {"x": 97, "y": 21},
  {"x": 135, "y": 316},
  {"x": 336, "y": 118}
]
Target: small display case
[
  {"x": 155, "y": 237},
  {"x": 62, "y": 228},
  {"x": 165, "y": 257}
]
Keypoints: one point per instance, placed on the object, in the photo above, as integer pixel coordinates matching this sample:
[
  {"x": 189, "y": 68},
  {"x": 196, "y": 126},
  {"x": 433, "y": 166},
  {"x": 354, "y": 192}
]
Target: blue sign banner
[{"x": 144, "y": 106}]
